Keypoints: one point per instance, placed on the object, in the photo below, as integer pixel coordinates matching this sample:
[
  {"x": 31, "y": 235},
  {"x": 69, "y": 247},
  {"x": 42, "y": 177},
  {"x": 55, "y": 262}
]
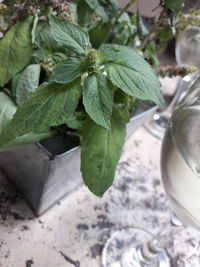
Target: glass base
[{"x": 120, "y": 249}]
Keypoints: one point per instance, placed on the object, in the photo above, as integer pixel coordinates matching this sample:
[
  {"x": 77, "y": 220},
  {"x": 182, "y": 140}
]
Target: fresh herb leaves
[
  {"x": 27, "y": 83},
  {"x": 174, "y": 6},
  {"x": 69, "y": 69},
  {"x": 15, "y": 50},
  {"x": 69, "y": 35},
  {"x": 102, "y": 148},
  {"x": 62, "y": 81},
  {"x": 48, "y": 106},
  {"x": 98, "y": 99},
  {"x": 131, "y": 73}
]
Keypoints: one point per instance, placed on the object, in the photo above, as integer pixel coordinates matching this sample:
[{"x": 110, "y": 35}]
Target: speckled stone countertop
[{"x": 73, "y": 232}]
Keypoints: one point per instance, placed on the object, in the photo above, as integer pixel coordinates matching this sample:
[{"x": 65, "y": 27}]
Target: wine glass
[
  {"x": 136, "y": 247},
  {"x": 181, "y": 158},
  {"x": 180, "y": 169},
  {"x": 187, "y": 54}
]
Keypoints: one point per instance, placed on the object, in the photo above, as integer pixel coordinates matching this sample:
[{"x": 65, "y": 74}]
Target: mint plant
[{"x": 56, "y": 78}]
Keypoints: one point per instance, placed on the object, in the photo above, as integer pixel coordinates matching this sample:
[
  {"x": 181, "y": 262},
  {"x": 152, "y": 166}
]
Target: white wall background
[{"x": 145, "y": 6}]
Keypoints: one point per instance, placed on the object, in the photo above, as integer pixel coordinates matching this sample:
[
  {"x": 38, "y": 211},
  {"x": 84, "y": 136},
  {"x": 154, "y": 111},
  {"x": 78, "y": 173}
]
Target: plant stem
[
  {"x": 73, "y": 133},
  {"x": 118, "y": 16},
  {"x": 125, "y": 9},
  {"x": 154, "y": 30},
  {"x": 1, "y": 19}
]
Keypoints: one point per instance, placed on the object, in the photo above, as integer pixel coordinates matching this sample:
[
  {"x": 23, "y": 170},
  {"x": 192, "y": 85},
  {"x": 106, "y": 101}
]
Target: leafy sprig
[{"x": 88, "y": 90}]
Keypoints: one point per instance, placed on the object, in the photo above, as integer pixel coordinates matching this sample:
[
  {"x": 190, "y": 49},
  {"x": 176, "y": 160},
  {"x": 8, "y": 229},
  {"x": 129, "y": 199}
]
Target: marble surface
[{"x": 73, "y": 232}]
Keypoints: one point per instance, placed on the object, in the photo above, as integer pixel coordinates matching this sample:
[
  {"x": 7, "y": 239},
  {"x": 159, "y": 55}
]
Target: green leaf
[
  {"x": 13, "y": 85},
  {"x": 98, "y": 99},
  {"x": 72, "y": 123},
  {"x": 7, "y": 110},
  {"x": 150, "y": 54},
  {"x": 46, "y": 41},
  {"x": 100, "y": 153},
  {"x": 125, "y": 113},
  {"x": 106, "y": 9},
  {"x": 124, "y": 31},
  {"x": 73, "y": 8},
  {"x": 120, "y": 97},
  {"x": 123, "y": 34},
  {"x": 33, "y": 32},
  {"x": 69, "y": 35},
  {"x": 48, "y": 47},
  {"x": 69, "y": 69},
  {"x": 99, "y": 33},
  {"x": 174, "y": 5},
  {"x": 27, "y": 139},
  {"x": 50, "y": 105},
  {"x": 27, "y": 83},
  {"x": 165, "y": 34},
  {"x": 131, "y": 73},
  {"x": 84, "y": 18},
  {"x": 15, "y": 50},
  {"x": 41, "y": 55}
]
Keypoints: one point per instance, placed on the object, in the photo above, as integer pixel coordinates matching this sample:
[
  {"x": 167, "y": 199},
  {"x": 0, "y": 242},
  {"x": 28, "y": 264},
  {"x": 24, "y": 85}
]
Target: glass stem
[
  {"x": 146, "y": 254},
  {"x": 183, "y": 85}
]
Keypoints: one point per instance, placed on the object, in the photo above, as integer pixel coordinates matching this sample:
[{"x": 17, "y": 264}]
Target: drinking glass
[
  {"x": 187, "y": 54},
  {"x": 181, "y": 158},
  {"x": 180, "y": 169}
]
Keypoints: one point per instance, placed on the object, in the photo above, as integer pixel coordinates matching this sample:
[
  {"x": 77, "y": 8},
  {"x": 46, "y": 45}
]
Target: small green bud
[
  {"x": 191, "y": 69},
  {"x": 94, "y": 59}
]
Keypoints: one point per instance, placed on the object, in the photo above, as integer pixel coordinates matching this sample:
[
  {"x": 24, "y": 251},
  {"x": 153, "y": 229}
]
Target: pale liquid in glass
[{"x": 182, "y": 185}]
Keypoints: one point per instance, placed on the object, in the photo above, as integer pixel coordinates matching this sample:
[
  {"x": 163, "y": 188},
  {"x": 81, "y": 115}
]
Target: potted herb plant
[{"x": 71, "y": 69}]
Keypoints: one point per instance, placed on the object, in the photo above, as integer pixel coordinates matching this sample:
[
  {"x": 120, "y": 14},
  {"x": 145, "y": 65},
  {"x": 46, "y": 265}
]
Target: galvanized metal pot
[{"x": 47, "y": 171}]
